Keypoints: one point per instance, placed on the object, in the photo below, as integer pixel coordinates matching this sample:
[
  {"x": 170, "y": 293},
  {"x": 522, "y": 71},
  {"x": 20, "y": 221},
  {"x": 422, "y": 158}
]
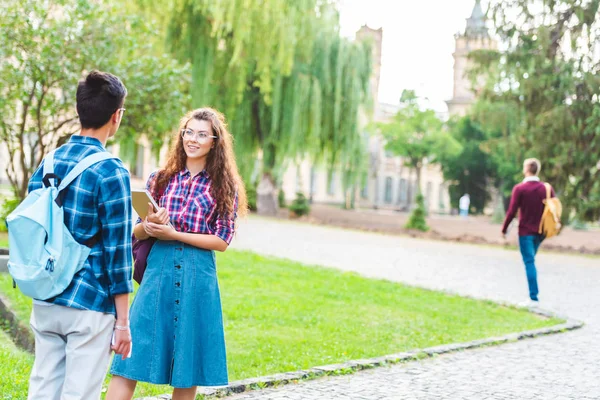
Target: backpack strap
[
  {"x": 73, "y": 174},
  {"x": 82, "y": 166},
  {"x": 48, "y": 172},
  {"x": 546, "y": 201},
  {"x": 548, "y": 191}
]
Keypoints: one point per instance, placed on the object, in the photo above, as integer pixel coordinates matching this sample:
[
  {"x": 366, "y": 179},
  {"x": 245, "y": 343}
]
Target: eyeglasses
[
  {"x": 200, "y": 136},
  {"x": 122, "y": 110}
]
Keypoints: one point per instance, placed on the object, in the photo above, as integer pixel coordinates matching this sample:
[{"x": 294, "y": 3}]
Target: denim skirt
[{"x": 176, "y": 321}]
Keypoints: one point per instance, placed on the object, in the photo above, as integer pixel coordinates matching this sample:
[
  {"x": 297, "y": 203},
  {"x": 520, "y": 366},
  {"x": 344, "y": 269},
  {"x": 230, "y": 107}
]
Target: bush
[
  {"x": 251, "y": 196},
  {"x": 281, "y": 199},
  {"x": 7, "y": 206},
  {"x": 579, "y": 225},
  {"x": 300, "y": 206},
  {"x": 417, "y": 218}
]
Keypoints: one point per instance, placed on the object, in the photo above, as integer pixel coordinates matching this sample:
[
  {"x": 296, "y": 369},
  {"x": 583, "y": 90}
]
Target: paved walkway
[{"x": 564, "y": 366}]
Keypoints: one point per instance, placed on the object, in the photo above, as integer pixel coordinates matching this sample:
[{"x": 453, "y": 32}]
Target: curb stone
[
  {"x": 357, "y": 365},
  {"x": 20, "y": 334},
  {"x": 3, "y": 263}
]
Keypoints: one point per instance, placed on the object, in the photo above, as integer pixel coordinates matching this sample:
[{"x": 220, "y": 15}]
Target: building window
[
  {"x": 331, "y": 187},
  {"x": 388, "y": 190},
  {"x": 402, "y": 192},
  {"x": 442, "y": 189},
  {"x": 365, "y": 190},
  {"x": 428, "y": 195}
]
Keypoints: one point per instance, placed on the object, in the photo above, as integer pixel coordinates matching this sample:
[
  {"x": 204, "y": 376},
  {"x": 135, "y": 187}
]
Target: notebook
[{"x": 140, "y": 200}]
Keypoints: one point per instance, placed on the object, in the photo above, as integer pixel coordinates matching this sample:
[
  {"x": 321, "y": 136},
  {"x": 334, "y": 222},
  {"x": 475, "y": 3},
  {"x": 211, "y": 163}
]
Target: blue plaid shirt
[{"x": 99, "y": 200}]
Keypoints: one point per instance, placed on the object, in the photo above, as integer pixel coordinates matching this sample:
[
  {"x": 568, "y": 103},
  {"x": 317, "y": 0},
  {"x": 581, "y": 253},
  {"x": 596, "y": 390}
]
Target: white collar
[{"x": 531, "y": 179}]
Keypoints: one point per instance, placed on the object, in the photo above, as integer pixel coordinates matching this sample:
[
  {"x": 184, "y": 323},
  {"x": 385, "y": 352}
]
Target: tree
[
  {"x": 290, "y": 86},
  {"x": 500, "y": 122},
  {"x": 416, "y": 135},
  {"x": 46, "y": 47},
  {"x": 472, "y": 170},
  {"x": 417, "y": 217},
  {"x": 548, "y": 79}
]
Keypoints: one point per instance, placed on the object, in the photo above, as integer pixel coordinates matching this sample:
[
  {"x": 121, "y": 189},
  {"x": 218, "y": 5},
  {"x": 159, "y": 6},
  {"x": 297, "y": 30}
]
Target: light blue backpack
[{"x": 43, "y": 256}]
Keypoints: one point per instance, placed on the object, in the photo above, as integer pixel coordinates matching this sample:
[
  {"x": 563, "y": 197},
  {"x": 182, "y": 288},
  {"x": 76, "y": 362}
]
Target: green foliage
[
  {"x": 579, "y": 226},
  {"x": 281, "y": 199},
  {"x": 541, "y": 98},
  {"x": 284, "y": 316},
  {"x": 471, "y": 170},
  {"x": 417, "y": 135},
  {"x": 300, "y": 206},
  {"x": 500, "y": 122},
  {"x": 8, "y": 205},
  {"x": 251, "y": 195},
  {"x": 51, "y": 46},
  {"x": 417, "y": 217},
  {"x": 290, "y": 86}
]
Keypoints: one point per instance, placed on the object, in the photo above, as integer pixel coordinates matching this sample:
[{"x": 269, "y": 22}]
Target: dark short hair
[{"x": 99, "y": 95}]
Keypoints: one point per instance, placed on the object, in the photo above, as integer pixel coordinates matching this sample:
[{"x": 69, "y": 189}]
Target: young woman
[{"x": 176, "y": 319}]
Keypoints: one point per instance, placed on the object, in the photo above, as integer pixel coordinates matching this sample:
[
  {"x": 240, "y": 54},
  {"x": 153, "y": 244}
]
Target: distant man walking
[
  {"x": 463, "y": 204},
  {"x": 528, "y": 197}
]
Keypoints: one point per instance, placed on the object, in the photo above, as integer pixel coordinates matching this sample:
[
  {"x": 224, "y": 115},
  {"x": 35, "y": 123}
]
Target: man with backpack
[
  {"x": 535, "y": 201},
  {"x": 74, "y": 323}
]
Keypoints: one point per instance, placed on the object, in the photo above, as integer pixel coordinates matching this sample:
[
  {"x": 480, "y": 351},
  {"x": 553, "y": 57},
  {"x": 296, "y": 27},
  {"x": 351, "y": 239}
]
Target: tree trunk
[
  {"x": 266, "y": 199},
  {"x": 418, "y": 171},
  {"x": 409, "y": 191},
  {"x": 348, "y": 203}
]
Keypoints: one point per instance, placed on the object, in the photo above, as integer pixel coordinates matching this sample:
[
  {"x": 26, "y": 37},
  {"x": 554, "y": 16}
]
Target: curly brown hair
[{"x": 226, "y": 182}]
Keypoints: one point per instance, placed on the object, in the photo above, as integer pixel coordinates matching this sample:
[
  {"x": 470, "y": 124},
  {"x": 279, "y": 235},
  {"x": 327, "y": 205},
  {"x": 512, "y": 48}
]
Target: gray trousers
[{"x": 72, "y": 351}]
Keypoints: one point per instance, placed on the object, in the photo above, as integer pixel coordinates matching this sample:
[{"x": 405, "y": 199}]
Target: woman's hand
[
  {"x": 160, "y": 217},
  {"x": 161, "y": 232}
]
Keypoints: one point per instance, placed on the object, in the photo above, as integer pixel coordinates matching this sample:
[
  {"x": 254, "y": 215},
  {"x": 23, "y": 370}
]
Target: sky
[{"x": 418, "y": 42}]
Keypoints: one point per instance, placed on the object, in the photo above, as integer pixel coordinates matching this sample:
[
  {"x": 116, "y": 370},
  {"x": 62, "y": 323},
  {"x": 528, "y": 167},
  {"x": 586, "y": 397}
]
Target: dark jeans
[{"x": 529, "y": 246}]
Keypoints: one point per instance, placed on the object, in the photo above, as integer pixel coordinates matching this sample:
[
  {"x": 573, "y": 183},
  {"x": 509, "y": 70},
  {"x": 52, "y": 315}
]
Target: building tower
[
  {"x": 376, "y": 36},
  {"x": 475, "y": 37}
]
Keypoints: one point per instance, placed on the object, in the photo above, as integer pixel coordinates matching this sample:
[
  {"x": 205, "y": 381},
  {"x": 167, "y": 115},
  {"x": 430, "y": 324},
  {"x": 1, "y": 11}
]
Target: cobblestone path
[{"x": 564, "y": 366}]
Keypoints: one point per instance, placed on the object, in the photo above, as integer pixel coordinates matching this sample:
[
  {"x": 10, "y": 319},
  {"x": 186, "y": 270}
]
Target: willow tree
[
  {"x": 289, "y": 85},
  {"x": 548, "y": 78}
]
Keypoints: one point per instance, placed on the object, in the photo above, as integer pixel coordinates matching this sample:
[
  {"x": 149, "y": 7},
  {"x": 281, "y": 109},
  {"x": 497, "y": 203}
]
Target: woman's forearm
[
  {"x": 139, "y": 232},
  {"x": 203, "y": 241}
]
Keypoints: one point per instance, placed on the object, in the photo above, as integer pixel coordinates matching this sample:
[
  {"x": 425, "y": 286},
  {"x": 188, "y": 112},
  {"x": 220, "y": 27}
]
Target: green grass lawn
[
  {"x": 283, "y": 316},
  {"x": 3, "y": 238},
  {"x": 14, "y": 369}
]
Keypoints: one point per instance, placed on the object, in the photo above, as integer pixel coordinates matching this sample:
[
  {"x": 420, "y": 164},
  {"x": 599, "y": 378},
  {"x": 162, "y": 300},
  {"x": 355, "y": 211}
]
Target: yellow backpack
[{"x": 550, "y": 224}]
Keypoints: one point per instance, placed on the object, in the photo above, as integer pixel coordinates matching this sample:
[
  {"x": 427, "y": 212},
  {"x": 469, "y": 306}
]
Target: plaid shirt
[
  {"x": 191, "y": 207},
  {"x": 99, "y": 200}
]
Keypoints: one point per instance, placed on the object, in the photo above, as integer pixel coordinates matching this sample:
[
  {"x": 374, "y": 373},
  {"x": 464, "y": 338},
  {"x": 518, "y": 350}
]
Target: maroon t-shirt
[{"x": 528, "y": 197}]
